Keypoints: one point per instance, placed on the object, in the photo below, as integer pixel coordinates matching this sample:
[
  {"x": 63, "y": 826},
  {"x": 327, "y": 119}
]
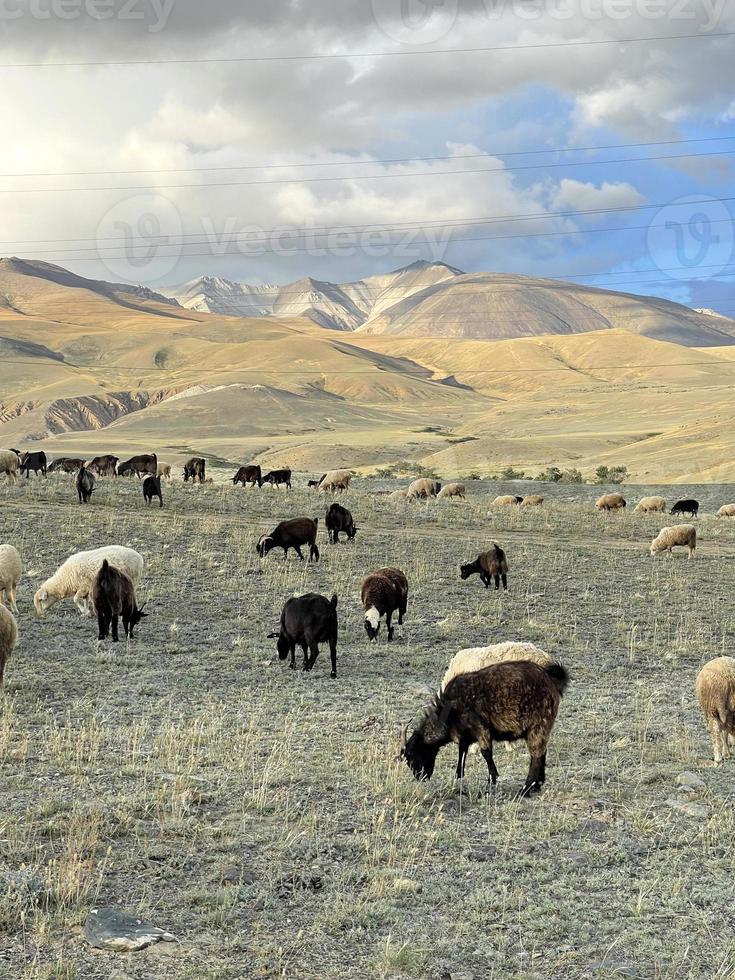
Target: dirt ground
[{"x": 143, "y": 775}]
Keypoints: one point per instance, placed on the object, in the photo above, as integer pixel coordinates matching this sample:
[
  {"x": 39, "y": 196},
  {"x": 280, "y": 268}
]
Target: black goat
[
  {"x": 338, "y": 519},
  {"x": 689, "y": 507},
  {"x": 152, "y": 488},
  {"x": 33, "y": 461},
  {"x": 291, "y": 534},
  {"x": 491, "y": 565},
  {"x": 307, "y": 621},
  {"x": 113, "y": 596},
  {"x": 502, "y": 703},
  {"x": 278, "y": 477},
  {"x": 85, "y": 485}
]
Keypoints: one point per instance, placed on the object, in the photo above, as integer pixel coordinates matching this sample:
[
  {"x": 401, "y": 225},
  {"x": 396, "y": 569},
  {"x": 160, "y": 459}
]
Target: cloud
[{"x": 574, "y": 195}]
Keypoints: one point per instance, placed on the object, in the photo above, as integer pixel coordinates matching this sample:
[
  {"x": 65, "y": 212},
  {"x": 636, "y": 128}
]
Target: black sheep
[
  {"x": 152, "y": 488},
  {"x": 338, "y": 519},
  {"x": 291, "y": 534},
  {"x": 307, "y": 621}
]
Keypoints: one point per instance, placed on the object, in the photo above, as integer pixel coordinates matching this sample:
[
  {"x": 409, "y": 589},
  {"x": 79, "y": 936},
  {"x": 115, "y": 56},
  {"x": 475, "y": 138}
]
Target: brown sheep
[
  {"x": 507, "y": 500},
  {"x": 610, "y": 501},
  {"x": 490, "y": 565},
  {"x": 8, "y": 639},
  {"x": 532, "y": 500},
  {"x": 423, "y": 489},
  {"x": 727, "y": 510},
  {"x": 650, "y": 505},
  {"x": 715, "y": 690},
  {"x": 384, "y": 592},
  {"x": 455, "y": 490}
]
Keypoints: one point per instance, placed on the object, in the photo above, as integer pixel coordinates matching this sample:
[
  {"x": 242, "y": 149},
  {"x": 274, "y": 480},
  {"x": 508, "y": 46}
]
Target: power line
[
  {"x": 337, "y": 56},
  {"x": 364, "y": 163},
  {"x": 388, "y": 176}
]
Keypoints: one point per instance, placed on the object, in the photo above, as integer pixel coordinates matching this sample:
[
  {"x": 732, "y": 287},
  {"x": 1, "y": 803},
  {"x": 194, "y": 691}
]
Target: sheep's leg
[
  {"x": 714, "y": 731},
  {"x": 536, "y": 775},
  {"x": 505, "y": 582},
  {"x": 310, "y": 661},
  {"x": 485, "y": 579},
  {"x": 388, "y": 618},
  {"x": 464, "y": 746},
  {"x": 292, "y": 665},
  {"x": 297, "y": 549},
  {"x": 115, "y": 637},
  {"x": 487, "y": 754},
  {"x": 80, "y": 601},
  {"x": 313, "y": 552},
  {"x": 103, "y": 626},
  {"x": 497, "y": 582},
  {"x": 401, "y": 614},
  {"x": 333, "y": 655}
]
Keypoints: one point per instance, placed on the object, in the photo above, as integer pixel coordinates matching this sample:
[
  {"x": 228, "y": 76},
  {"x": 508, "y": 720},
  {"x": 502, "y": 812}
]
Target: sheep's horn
[{"x": 404, "y": 738}]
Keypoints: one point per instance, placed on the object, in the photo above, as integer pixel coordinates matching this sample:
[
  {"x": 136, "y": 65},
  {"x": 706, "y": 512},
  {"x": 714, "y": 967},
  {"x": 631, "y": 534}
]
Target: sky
[{"x": 245, "y": 153}]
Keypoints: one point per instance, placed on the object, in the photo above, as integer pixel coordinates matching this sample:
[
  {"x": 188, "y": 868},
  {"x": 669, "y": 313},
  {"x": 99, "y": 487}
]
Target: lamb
[
  {"x": 611, "y": 501},
  {"x": 715, "y": 690},
  {"x": 75, "y": 577},
  {"x": 85, "y": 486},
  {"x": 33, "y": 461},
  {"x": 8, "y": 639},
  {"x": 113, "y": 596},
  {"x": 452, "y": 490},
  {"x": 9, "y": 464},
  {"x": 338, "y": 519},
  {"x": 688, "y": 506},
  {"x": 249, "y": 474},
  {"x": 684, "y": 535},
  {"x": 650, "y": 505},
  {"x": 477, "y": 658},
  {"x": 335, "y": 480},
  {"x": 727, "y": 510},
  {"x": 532, "y": 500},
  {"x": 384, "y": 592},
  {"x": 396, "y": 494},
  {"x": 291, "y": 534},
  {"x": 506, "y": 500},
  {"x": 313, "y": 484},
  {"x": 307, "y": 621},
  {"x": 152, "y": 488},
  {"x": 11, "y": 570},
  {"x": 423, "y": 489},
  {"x": 506, "y": 702},
  {"x": 491, "y": 565},
  {"x": 163, "y": 470}
]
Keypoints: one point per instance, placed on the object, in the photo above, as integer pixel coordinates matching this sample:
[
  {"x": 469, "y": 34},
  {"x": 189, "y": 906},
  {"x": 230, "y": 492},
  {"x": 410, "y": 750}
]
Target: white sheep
[
  {"x": 335, "y": 480},
  {"x": 650, "y": 505},
  {"x": 395, "y": 494},
  {"x": 452, "y": 490},
  {"x": 9, "y": 464},
  {"x": 727, "y": 510},
  {"x": 715, "y": 690},
  {"x": 506, "y": 500},
  {"x": 75, "y": 578},
  {"x": 11, "y": 569},
  {"x": 8, "y": 639},
  {"x": 423, "y": 489},
  {"x": 476, "y": 658},
  {"x": 684, "y": 535}
]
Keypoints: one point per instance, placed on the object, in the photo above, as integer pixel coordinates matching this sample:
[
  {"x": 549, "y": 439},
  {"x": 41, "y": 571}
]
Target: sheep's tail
[
  {"x": 316, "y": 522},
  {"x": 559, "y": 676},
  {"x": 333, "y": 603}
]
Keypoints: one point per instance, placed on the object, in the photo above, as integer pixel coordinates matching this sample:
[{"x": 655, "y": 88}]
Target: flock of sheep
[{"x": 505, "y": 692}]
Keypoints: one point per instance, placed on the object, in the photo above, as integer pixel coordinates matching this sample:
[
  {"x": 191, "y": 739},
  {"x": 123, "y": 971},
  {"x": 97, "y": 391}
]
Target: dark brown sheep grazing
[
  {"x": 249, "y": 474},
  {"x": 103, "y": 465},
  {"x": 85, "y": 486},
  {"x": 195, "y": 469},
  {"x": 33, "y": 461},
  {"x": 491, "y": 565},
  {"x": 277, "y": 478},
  {"x": 113, "y": 595},
  {"x": 339, "y": 520},
  {"x": 502, "y": 703},
  {"x": 384, "y": 592},
  {"x": 151, "y": 489},
  {"x": 307, "y": 621},
  {"x": 142, "y": 465},
  {"x": 291, "y": 534},
  {"x": 66, "y": 464}
]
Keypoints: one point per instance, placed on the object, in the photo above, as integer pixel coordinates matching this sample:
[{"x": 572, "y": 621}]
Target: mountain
[{"x": 431, "y": 299}]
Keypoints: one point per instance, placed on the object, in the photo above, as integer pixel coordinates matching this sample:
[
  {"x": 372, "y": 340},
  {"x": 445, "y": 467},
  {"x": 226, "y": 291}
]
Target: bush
[
  {"x": 612, "y": 474},
  {"x": 571, "y": 476}
]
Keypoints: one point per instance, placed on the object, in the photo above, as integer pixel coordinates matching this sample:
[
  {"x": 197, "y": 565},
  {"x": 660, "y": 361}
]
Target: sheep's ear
[{"x": 272, "y": 636}]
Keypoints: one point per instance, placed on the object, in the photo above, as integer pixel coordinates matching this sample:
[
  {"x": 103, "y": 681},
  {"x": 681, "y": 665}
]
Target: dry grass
[{"x": 137, "y": 774}]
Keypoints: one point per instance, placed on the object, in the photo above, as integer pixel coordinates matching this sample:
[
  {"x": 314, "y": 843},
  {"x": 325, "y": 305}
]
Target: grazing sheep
[
  {"x": 384, "y": 592},
  {"x": 249, "y": 474},
  {"x": 103, "y": 465},
  {"x": 75, "y": 577},
  {"x": 423, "y": 489},
  {"x": 532, "y": 500},
  {"x": 152, "y": 488},
  {"x": 338, "y": 519},
  {"x": 307, "y": 621},
  {"x": 650, "y": 505},
  {"x": 506, "y": 702},
  {"x": 689, "y": 507},
  {"x": 195, "y": 469},
  {"x": 611, "y": 501},
  {"x": 477, "y": 658},
  {"x": 33, "y": 461},
  {"x": 727, "y": 510},
  {"x": 335, "y": 480},
  {"x": 715, "y": 690},
  {"x": 684, "y": 535},
  {"x": 396, "y": 494},
  {"x": 8, "y": 639},
  {"x": 145, "y": 464},
  {"x": 277, "y": 478},
  {"x": 291, "y": 534},
  {"x": 67, "y": 464},
  {"x": 11, "y": 570},
  {"x": 164, "y": 471},
  {"x": 85, "y": 486},
  {"x": 452, "y": 490},
  {"x": 9, "y": 464},
  {"x": 506, "y": 500},
  {"x": 491, "y": 565},
  {"x": 113, "y": 596}
]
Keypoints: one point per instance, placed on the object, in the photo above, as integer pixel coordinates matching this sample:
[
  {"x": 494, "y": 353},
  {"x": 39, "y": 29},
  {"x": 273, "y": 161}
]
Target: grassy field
[{"x": 144, "y": 774}]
